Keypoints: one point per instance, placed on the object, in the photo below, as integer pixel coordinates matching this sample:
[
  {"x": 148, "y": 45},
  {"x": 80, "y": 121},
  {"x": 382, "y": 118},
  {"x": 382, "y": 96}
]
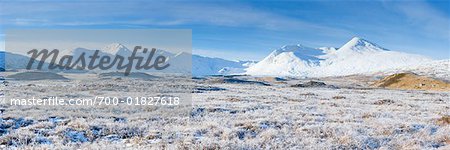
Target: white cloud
[
  {"x": 422, "y": 14},
  {"x": 157, "y": 14}
]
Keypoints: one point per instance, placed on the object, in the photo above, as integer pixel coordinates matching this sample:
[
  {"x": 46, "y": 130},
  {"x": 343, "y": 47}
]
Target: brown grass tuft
[
  {"x": 233, "y": 99},
  {"x": 339, "y": 97},
  {"x": 384, "y": 102},
  {"x": 409, "y": 81},
  {"x": 444, "y": 120}
]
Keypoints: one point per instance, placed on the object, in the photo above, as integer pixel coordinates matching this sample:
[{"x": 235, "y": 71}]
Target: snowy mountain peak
[
  {"x": 360, "y": 45},
  {"x": 286, "y": 48},
  {"x": 115, "y": 48},
  {"x": 183, "y": 54},
  {"x": 328, "y": 49},
  {"x": 292, "y": 47},
  {"x": 297, "y": 50},
  {"x": 357, "y": 56}
]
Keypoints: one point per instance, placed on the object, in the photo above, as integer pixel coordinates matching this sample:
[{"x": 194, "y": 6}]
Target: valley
[{"x": 229, "y": 112}]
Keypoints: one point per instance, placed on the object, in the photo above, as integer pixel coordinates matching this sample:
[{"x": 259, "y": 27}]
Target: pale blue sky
[{"x": 252, "y": 29}]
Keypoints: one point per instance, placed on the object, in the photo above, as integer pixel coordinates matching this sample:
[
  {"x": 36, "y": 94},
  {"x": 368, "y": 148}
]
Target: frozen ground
[{"x": 233, "y": 113}]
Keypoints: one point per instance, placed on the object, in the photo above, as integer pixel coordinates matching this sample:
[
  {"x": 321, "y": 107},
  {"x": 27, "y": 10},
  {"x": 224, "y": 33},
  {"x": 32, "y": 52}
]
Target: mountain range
[
  {"x": 357, "y": 56},
  {"x": 180, "y": 63}
]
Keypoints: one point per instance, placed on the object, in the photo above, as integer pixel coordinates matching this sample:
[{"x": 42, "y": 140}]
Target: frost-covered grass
[{"x": 231, "y": 115}]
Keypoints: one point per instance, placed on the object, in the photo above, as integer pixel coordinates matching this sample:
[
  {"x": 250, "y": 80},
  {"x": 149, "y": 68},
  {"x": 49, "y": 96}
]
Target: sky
[
  {"x": 20, "y": 41},
  {"x": 250, "y": 30}
]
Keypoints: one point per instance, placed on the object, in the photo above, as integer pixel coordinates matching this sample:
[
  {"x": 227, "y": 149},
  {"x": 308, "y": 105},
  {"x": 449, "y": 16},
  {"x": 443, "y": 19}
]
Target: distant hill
[{"x": 410, "y": 81}]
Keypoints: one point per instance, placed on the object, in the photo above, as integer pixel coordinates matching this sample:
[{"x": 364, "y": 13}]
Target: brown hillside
[{"x": 409, "y": 81}]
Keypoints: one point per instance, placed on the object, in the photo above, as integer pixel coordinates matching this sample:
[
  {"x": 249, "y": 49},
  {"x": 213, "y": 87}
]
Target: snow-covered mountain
[
  {"x": 213, "y": 66},
  {"x": 357, "y": 56},
  {"x": 288, "y": 60},
  {"x": 116, "y": 48},
  {"x": 439, "y": 69},
  {"x": 11, "y": 61},
  {"x": 180, "y": 63},
  {"x": 184, "y": 62}
]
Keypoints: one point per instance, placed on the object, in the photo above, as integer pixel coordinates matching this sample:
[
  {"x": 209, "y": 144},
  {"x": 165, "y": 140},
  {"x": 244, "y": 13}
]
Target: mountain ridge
[
  {"x": 202, "y": 66},
  {"x": 357, "y": 56}
]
